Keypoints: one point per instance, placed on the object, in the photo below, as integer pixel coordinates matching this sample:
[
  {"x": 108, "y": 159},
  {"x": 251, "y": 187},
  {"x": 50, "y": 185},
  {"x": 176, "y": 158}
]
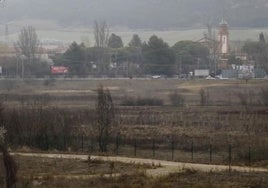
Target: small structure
[
  {"x": 243, "y": 72},
  {"x": 59, "y": 70},
  {"x": 201, "y": 73}
]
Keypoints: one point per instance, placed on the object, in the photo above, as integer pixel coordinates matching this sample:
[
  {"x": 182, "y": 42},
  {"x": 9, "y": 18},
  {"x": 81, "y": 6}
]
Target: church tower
[{"x": 223, "y": 38}]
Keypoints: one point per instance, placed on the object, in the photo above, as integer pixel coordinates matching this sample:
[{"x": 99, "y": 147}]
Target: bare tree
[
  {"x": 8, "y": 162},
  {"x": 101, "y": 34},
  {"x": 204, "y": 97},
  {"x": 10, "y": 167},
  {"x": 2, "y": 134},
  {"x": 212, "y": 45},
  {"x": 28, "y": 43},
  {"x": 105, "y": 117}
]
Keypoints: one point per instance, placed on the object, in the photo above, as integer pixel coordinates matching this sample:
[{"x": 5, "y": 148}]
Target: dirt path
[{"x": 163, "y": 167}]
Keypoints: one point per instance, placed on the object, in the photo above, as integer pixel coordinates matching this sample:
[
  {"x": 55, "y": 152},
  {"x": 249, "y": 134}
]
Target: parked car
[{"x": 156, "y": 76}]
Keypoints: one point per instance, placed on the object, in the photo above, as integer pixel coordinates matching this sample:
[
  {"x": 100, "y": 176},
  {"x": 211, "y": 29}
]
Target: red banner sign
[{"x": 59, "y": 70}]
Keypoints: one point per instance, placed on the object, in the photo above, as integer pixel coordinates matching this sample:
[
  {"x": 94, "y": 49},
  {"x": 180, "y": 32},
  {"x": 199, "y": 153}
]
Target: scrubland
[{"x": 206, "y": 121}]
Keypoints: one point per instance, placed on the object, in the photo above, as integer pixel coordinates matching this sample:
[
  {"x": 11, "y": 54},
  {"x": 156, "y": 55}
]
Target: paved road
[{"x": 165, "y": 167}]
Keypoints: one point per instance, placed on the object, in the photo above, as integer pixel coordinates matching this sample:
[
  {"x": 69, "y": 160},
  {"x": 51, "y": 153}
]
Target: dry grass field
[
  {"x": 83, "y": 92},
  {"x": 49, "y": 172},
  {"x": 233, "y": 116}
]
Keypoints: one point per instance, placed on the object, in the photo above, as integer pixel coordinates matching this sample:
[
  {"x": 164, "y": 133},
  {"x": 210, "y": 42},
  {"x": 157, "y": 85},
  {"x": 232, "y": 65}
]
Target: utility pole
[
  {"x": 198, "y": 62},
  {"x": 6, "y": 34},
  {"x": 180, "y": 65},
  {"x": 22, "y": 57},
  {"x": 178, "y": 62},
  {"x": 17, "y": 69},
  {"x": 22, "y": 69}
]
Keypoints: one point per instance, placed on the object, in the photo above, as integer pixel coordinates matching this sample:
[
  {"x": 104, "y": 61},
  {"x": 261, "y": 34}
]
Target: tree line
[
  {"x": 154, "y": 56},
  {"x": 109, "y": 56}
]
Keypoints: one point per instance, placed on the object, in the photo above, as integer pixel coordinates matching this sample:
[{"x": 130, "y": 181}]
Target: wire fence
[{"x": 170, "y": 150}]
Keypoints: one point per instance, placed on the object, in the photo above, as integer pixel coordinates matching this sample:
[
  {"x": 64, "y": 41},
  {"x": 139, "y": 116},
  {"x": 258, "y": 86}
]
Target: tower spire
[{"x": 223, "y": 37}]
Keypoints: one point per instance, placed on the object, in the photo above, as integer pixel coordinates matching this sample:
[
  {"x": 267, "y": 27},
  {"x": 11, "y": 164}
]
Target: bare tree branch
[
  {"x": 28, "y": 43},
  {"x": 101, "y": 34}
]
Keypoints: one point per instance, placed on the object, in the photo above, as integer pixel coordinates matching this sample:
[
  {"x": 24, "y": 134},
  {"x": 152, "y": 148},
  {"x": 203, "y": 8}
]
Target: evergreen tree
[
  {"x": 115, "y": 41},
  {"x": 74, "y": 58},
  {"x": 158, "y": 57},
  {"x": 135, "y": 41},
  {"x": 191, "y": 55},
  {"x": 262, "y": 38}
]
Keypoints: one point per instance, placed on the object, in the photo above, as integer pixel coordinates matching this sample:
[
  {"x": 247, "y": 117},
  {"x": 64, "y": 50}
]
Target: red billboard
[{"x": 59, "y": 70}]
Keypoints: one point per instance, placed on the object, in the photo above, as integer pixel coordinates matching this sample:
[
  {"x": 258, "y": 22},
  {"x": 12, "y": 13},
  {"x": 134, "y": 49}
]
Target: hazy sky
[
  {"x": 122, "y": 16},
  {"x": 139, "y": 13}
]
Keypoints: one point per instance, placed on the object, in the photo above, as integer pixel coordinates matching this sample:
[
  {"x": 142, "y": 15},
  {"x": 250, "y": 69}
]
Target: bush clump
[
  {"x": 2, "y": 134},
  {"x": 130, "y": 101},
  {"x": 176, "y": 99},
  {"x": 264, "y": 96},
  {"x": 204, "y": 97}
]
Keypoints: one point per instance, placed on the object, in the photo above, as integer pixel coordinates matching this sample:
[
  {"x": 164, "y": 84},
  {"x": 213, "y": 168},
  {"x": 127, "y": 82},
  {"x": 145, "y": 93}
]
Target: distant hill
[{"x": 135, "y": 14}]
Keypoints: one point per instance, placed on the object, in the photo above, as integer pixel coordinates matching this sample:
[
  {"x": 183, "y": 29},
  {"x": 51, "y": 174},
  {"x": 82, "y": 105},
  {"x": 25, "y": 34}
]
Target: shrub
[
  {"x": 149, "y": 102},
  {"x": 9, "y": 84},
  {"x": 264, "y": 96},
  {"x": 128, "y": 101},
  {"x": 49, "y": 82},
  {"x": 204, "y": 97},
  {"x": 41, "y": 100},
  {"x": 243, "y": 98},
  {"x": 10, "y": 167},
  {"x": 142, "y": 102},
  {"x": 105, "y": 114},
  {"x": 2, "y": 134},
  {"x": 176, "y": 99}
]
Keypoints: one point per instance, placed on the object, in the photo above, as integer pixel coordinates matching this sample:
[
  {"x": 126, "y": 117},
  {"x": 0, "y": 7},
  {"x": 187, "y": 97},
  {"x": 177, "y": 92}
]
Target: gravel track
[{"x": 162, "y": 167}]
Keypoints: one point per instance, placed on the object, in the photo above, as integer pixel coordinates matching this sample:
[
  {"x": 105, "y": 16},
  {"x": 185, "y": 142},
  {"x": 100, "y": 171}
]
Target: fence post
[
  {"x": 47, "y": 142},
  {"x": 117, "y": 144},
  {"x": 90, "y": 147},
  {"x": 172, "y": 150},
  {"x": 82, "y": 140},
  {"x": 249, "y": 156},
  {"x": 230, "y": 157},
  {"x": 135, "y": 148},
  {"x": 153, "y": 148},
  {"x": 210, "y": 153},
  {"x": 64, "y": 143},
  {"x": 192, "y": 150}
]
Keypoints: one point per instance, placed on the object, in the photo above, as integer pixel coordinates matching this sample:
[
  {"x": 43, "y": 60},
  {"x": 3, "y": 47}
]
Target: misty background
[
  {"x": 140, "y": 13},
  {"x": 132, "y": 15}
]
